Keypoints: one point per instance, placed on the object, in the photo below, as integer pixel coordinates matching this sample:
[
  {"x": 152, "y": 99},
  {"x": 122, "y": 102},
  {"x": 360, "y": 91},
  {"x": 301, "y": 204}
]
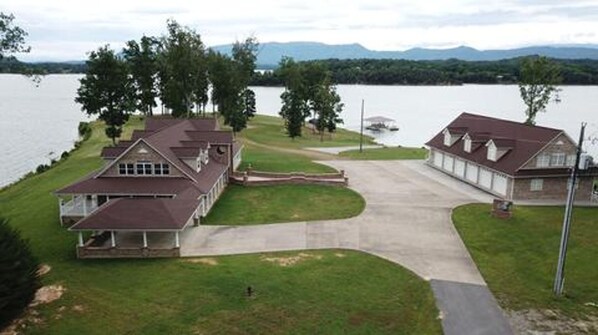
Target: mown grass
[
  {"x": 284, "y": 203},
  {"x": 325, "y": 293},
  {"x": 386, "y": 153},
  {"x": 269, "y": 130},
  {"x": 518, "y": 256},
  {"x": 269, "y": 160}
]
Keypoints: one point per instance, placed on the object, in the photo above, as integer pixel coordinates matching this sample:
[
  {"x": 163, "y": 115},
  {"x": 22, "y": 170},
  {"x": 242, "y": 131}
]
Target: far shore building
[
  {"x": 151, "y": 188},
  {"x": 511, "y": 160}
]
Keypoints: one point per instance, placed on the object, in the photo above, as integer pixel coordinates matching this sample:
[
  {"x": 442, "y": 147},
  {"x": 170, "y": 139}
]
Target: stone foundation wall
[
  {"x": 552, "y": 189},
  {"x": 91, "y": 252}
]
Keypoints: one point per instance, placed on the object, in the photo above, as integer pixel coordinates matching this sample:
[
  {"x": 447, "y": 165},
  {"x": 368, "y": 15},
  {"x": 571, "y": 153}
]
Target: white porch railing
[{"x": 78, "y": 206}]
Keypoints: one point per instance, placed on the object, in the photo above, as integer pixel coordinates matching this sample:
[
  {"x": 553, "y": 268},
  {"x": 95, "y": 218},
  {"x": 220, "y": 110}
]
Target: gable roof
[{"x": 523, "y": 141}]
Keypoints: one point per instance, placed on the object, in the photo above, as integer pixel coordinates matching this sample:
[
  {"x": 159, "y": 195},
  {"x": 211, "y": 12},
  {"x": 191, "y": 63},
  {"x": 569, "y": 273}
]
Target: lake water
[{"x": 39, "y": 123}]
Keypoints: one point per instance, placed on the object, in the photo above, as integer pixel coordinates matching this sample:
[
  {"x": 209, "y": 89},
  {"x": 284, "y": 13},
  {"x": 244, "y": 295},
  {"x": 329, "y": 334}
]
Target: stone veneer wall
[{"x": 552, "y": 189}]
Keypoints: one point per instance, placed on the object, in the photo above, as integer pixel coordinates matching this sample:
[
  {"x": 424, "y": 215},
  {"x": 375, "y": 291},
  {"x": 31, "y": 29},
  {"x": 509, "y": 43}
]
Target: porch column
[
  {"x": 203, "y": 206},
  {"x": 84, "y": 205},
  {"x": 112, "y": 239},
  {"x": 176, "y": 240},
  {"x": 144, "y": 239},
  {"x": 80, "y": 239}
]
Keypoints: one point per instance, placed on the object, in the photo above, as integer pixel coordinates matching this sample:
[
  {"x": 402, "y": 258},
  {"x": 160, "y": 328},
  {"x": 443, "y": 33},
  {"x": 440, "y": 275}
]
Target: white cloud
[{"x": 62, "y": 29}]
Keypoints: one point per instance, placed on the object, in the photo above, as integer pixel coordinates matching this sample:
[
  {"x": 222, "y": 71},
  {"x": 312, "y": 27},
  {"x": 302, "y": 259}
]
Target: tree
[
  {"x": 230, "y": 77},
  {"x": 18, "y": 274},
  {"x": 12, "y": 38},
  {"x": 107, "y": 90},
  {"x": 327, "y": 106},
  {"x": 182, "y": 67},
  {"x": 293, "y": 112},
  {"x": 537, "y": 85},
  {"x": 142, "y": 60}
]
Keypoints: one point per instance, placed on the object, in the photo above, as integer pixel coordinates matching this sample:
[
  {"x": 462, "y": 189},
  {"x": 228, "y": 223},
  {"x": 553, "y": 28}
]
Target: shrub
[
  {"x": 64, "y": 155},
  {"x": 18, "y": 274},
  {"x": 84, "y": 130},
  {"x": 42, "y": 168}
]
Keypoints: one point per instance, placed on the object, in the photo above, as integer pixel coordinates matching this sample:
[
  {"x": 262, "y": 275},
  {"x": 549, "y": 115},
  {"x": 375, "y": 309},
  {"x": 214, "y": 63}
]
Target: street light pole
[{"x": 559, "y": 279}]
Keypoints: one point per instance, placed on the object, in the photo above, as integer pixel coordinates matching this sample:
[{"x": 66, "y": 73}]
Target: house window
[
  {"x": 144, "y": 168},
  {"x": 198, "y": 163},
  {"x": 558, "y": 159},
  {"x": 467, "y": 145},
  {"x": 161, "y": 169},
  {"x": 491, "y": 152},
  {"x": 126, "y": 169},
  {"x": 536, "y": 185},
  {"x": 447, "y": 138},
  {"x": 543, "y": 160}
]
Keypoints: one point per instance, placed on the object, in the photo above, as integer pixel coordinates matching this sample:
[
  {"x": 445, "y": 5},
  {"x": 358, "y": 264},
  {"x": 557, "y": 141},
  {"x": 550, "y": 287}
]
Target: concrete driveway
[{"x": 406, "y": 220}]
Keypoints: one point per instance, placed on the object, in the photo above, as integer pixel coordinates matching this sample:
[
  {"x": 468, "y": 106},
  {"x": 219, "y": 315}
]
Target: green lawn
[
  {"x": 518, "y": 257},
  {"x": 284, "y": 203},
  {"x": 262, "y": 159},
  {"x": 270, "y": 130},
  {"x": 327, "y": 292},
  {"x": 386, "y": 153}
]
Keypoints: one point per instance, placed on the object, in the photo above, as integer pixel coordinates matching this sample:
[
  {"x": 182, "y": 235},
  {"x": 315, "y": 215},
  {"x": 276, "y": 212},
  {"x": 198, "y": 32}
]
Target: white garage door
[
  {"x": 438, "y": 158},
  {"x": 485, "y": 178},
  {"x": 472, "y": 173},
  {"x": 459, "y": 167},
  {"x": 448, "y": 163},
  {"x": 499, "y": 185}
]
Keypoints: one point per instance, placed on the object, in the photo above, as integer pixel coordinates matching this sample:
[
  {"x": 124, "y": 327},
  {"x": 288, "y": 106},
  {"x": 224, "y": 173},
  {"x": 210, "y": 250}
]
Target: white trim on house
[{"x": 542, "y": 150}]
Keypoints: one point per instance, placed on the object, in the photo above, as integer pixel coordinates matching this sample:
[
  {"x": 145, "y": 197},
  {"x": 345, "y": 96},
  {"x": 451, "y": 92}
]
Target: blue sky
[{"x": 66, "y": 30}]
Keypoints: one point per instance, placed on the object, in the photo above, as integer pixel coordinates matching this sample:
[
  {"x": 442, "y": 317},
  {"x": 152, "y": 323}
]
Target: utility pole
[
  {"x": 361, "y": 130},
  {"x": 559, "y": 279}
]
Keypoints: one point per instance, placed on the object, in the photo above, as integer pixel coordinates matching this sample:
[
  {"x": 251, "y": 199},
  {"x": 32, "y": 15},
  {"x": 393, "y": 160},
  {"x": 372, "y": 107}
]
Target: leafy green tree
[
  {"x": 537, "y": 85},
  {"x": 182, "y": 63},
  {"x": 293, "y": 111},
  {"x": 327, "y": 106},
  {"x": 107, "y": 90},
  {"x": 230, "y": 77},
  {"x": 142, "y": 59},
  {"x": 12, "y": 38},
  {"x": 18, "y": 274}
]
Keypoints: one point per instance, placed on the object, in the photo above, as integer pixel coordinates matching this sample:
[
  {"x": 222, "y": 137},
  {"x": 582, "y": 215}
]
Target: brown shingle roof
[
  {"x": 524, "y": 141},
  {"x": 139, "y": 214},
  {"x": 129, "y": 186}
]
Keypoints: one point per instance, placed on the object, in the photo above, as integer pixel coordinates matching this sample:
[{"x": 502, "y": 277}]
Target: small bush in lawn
[{"x": 18, "y": 274}]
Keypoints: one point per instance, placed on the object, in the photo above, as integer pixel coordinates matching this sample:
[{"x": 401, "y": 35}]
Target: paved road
[{"x": 406, "y": 220}]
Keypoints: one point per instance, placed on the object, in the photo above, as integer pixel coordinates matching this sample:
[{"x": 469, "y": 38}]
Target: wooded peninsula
[{"x": 383, "y": 71}]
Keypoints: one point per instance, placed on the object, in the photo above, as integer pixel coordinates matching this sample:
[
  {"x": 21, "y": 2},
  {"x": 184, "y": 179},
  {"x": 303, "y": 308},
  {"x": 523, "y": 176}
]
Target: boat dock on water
[{"x": 380, "y": 123}]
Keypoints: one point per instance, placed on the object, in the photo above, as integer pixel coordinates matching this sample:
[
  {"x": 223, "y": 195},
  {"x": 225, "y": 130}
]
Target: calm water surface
[{"x": 39, "y": 123}]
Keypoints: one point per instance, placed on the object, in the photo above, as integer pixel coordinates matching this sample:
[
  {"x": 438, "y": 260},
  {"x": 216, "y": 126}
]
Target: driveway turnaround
[{"x": 407, "y": 220}]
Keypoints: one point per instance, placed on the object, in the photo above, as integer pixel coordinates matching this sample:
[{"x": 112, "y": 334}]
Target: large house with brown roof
[
  {"x": 150, "y": 189},
  {"x": 511, "y": 160}
]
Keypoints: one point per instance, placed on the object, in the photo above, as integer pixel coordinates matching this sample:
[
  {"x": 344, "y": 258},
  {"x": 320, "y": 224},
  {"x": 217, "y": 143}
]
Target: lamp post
[{"x": 559, "y": 279}]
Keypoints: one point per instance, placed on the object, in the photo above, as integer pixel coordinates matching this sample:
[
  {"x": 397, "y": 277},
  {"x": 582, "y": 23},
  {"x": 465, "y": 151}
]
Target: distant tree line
[
  {"x": 175, "y": 68},
  {"x": 441, "y": 72}
]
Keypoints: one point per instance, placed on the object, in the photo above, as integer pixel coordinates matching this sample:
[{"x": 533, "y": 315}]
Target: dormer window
[
  {"x": 466, "y": 143},
  {"x": 198, "y": 163},
  {"x": 204, "y": 157},
  {"x": 447, "y": 138},
  {"x": 491, "y": 155}
]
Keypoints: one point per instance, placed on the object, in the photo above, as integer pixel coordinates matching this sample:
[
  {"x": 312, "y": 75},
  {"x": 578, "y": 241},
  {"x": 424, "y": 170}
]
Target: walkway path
[{"x": 406, "y": 220}]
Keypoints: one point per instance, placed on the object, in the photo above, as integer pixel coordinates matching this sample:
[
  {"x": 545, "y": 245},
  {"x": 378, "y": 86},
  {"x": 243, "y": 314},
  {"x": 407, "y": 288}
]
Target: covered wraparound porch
[{"x": 128, "y": 244}]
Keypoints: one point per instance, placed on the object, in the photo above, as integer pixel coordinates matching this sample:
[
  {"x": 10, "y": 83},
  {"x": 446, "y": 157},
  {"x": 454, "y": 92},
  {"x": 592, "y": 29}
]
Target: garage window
[{"x": 536, "y": 185}]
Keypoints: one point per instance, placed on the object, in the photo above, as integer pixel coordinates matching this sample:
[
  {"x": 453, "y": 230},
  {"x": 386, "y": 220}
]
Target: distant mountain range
[{"x": 270, "y": 53}]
